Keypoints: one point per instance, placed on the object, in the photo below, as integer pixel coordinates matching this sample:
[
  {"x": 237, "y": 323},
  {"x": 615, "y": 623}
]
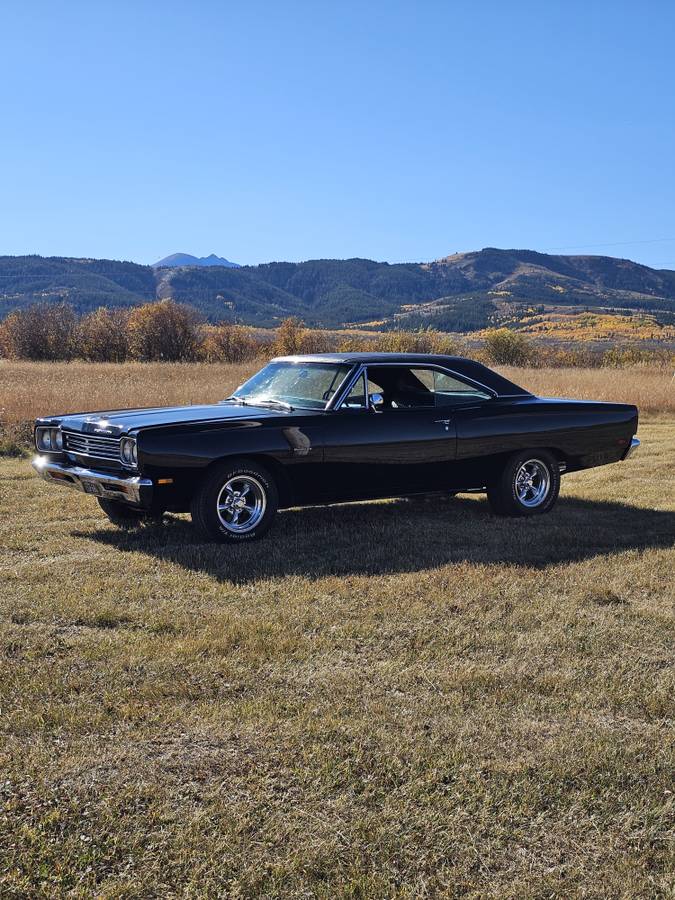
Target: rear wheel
[
  {"x": 527, "y": 486},
  {"x": 236, "y": 502}
]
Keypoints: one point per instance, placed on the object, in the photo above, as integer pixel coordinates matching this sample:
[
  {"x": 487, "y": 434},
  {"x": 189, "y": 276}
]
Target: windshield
[{"x": 305, "y": 385}]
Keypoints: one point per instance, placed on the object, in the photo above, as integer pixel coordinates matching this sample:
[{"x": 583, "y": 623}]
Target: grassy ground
[{"x": 388, "y": 699}]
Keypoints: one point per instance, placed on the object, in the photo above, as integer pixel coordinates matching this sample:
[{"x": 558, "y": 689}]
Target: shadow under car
[{"x": 406, "y": 535}]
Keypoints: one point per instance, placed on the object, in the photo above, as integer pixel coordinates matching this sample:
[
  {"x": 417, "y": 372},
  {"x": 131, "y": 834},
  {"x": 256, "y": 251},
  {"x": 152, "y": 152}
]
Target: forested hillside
[
  {"x": 462, "y": 292},
  {"x": 84, "y": 283}
]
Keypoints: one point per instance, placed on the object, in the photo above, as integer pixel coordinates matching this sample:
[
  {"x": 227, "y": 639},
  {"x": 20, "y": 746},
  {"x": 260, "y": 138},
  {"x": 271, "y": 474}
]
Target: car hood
[{"x": 118, "y": 421}]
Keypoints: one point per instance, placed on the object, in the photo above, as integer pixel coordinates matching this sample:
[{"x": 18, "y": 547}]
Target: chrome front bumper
[
  {"x": 129, "y": 489},
  {"x": 634, "y": 444}
]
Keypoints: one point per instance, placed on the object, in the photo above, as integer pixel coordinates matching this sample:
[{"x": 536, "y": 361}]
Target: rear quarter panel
[{"x": 583, "y": 433}]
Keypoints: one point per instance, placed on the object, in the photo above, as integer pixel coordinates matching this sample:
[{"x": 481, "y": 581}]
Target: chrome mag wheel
[
  {"x": 533, "y": 483},
  {"x": 241, "y": 503}
]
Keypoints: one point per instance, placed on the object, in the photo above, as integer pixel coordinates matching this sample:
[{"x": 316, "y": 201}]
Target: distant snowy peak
[{"x": 186, "y": 259}]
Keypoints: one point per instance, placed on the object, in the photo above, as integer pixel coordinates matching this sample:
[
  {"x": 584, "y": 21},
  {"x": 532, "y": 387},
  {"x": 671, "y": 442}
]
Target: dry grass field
[
  {"x": 391, "y": 699},
  {"x": 30, "y": 389},
  {"x": 652, "y": 389}
]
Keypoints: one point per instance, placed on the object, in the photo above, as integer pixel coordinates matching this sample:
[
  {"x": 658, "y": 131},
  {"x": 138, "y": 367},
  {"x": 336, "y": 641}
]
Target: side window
[
  {"x": 418, "y": 388},
  {"x": 356, "y": 398},
  {"x": 374, "y": 387},
  {"x": 407, "y": 388},
  {"x": 449, "y": 390},
  {"x": 426, "y": 377}
]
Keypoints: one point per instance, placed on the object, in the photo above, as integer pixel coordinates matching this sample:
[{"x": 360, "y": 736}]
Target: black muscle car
[{"x": 334, "y": 427}]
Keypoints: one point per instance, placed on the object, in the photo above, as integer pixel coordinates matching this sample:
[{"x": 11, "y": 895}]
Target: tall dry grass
[
  {"x": 30, "y": 389},
  {"x": 651, "y": 388}
]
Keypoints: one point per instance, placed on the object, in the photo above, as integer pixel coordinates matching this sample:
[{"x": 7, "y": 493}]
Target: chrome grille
[{"x": 94, "y": 446}]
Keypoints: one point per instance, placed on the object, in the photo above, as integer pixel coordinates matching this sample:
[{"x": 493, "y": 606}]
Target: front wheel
[
  {"x": 236, "y": 502},
  {"x": 527, "y": 486}
]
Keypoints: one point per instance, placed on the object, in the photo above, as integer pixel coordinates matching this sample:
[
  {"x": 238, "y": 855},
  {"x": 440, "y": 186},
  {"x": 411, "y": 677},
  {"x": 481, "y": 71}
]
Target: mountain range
[
  {"x": 186, "y": 259},
  {"x": 461, "y": 292}
]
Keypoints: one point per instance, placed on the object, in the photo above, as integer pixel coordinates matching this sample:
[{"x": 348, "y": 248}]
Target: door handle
[{"x": 445, "y": 422}]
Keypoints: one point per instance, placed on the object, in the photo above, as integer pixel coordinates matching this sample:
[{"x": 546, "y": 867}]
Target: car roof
[{"x": 461, "y": 365}]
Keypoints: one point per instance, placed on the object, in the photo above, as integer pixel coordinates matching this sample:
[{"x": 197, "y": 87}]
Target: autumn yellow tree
[
  {"x": 290, "y": 337},
  {"x": 41, "y": 331},
  {"x": 230, "y": 343},
  {"x": 508, "y": 348},
  {"x": 102, "y": 336},
  {"x": 424, "y": 340},
  {"x": 165, "y": 331}
]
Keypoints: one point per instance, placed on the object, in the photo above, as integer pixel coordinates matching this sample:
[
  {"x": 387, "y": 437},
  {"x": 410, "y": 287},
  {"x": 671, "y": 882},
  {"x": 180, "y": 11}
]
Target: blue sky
[{"x": 296, "y": 130}]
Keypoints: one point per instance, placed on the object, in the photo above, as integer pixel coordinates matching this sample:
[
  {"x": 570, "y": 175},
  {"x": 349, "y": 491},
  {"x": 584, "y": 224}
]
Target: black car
[{"x": 334, "y": 427}]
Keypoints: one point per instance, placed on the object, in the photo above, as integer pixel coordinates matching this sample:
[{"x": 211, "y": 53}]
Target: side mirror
[{"x": 376, "y": 402}]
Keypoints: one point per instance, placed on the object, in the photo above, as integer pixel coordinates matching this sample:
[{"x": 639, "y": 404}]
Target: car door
[{"x": 387, "y": 447}]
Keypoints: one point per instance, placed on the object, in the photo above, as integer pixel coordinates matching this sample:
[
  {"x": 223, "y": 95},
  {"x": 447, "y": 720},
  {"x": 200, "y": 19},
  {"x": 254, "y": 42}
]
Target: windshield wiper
[
  {"x": 271, "y": 401},
  {"x": 262, "y": 401}
]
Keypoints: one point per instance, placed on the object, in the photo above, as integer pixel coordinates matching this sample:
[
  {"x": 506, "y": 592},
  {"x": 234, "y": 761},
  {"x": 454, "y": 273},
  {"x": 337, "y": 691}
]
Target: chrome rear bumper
[
  {"x": 634, "y": 444},
  {"x": 129, "y": 489}
]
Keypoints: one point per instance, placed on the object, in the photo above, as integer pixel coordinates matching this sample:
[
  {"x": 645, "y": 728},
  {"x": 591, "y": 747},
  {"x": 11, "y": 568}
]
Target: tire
[
  {"x": 220, "y": 510},
  {"x": 528, "y": 485}
]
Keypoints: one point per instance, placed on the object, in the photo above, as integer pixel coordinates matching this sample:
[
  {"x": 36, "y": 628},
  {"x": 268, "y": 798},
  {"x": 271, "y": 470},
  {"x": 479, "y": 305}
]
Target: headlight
[
  {"x": 128, "y": 452},
  {"x": 49, "y": 439}
]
